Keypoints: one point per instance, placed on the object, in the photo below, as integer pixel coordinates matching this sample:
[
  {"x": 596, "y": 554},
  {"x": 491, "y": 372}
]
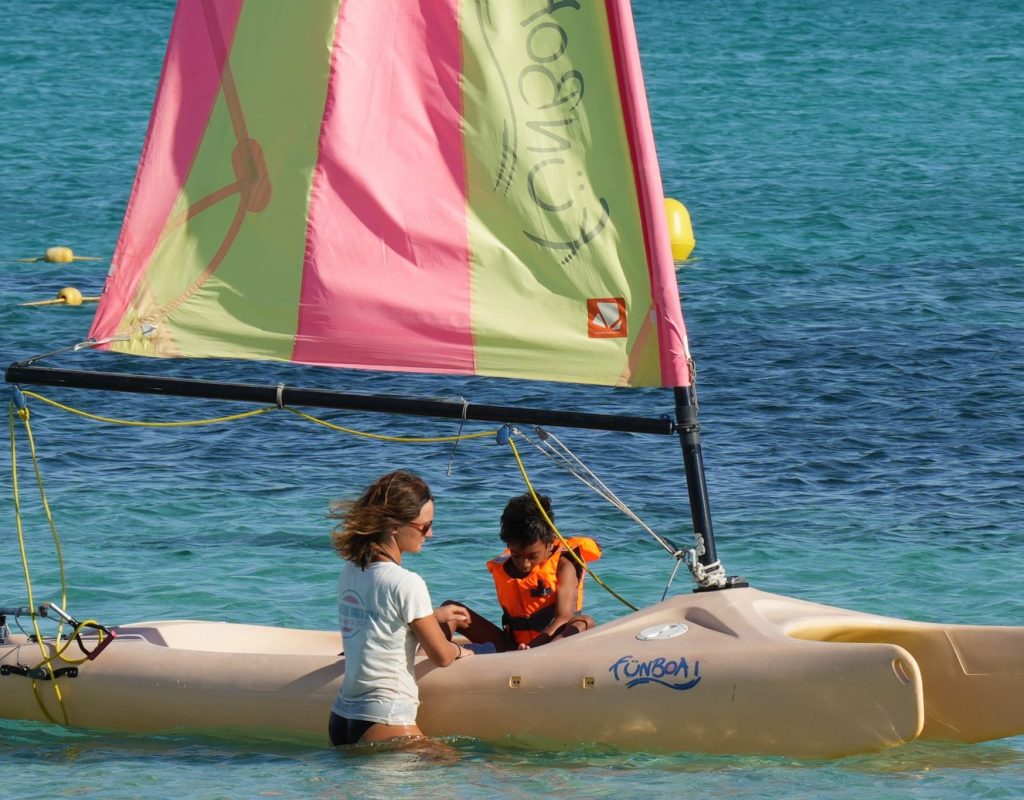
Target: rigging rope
[
  {"x": 550, "y": 446},
  {"x": 409, "y": 439},
  {"x": 572, "y": 464},
  {"x": 19, "y": 410},
  {"x": 579, "y": 561},
  {"x": 568, "y": 460},
  {"x": 246, "y": 414},
  {"x": 145, "y": 424}
]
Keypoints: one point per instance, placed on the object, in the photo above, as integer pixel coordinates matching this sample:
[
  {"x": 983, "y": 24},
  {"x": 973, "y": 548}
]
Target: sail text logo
[
  {"x": 675, "y": 674},
  {"x": 546, "y": 120},
  {"x": 606, "y": 318}
]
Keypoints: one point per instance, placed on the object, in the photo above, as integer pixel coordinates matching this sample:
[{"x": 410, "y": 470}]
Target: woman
[{"x": 384, "y": 611}]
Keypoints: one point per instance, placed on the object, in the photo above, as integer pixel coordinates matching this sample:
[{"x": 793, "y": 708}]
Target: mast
[{"x": 708, "y": 571}]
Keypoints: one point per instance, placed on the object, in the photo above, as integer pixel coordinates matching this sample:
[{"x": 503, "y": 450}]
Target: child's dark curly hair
[{"x": 522, "y": 523}]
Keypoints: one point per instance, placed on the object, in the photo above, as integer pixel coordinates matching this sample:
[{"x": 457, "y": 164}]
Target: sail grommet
[{"x": 504, "y": 434}]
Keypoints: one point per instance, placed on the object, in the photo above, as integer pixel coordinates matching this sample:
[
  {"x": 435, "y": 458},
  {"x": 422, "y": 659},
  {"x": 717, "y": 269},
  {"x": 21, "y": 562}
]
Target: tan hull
[{"x": 752, "y": 673}]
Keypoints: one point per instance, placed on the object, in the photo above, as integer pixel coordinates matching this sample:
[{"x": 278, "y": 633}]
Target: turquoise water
[{"x": 855, "y": 305}]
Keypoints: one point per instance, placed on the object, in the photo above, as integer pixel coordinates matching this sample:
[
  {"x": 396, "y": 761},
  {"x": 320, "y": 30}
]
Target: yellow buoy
[
  {"x": 680, "y": 229},
  {"x": 59, "y": 255},
  {"x": 70, "y": 295}
]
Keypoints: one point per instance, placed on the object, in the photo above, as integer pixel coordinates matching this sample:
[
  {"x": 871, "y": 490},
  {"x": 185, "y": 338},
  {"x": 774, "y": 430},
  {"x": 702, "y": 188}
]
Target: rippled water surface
[{"x": 855, "y": 305}]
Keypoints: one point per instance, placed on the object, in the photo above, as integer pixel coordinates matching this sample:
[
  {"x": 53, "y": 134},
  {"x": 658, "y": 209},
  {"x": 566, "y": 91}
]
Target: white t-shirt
[{"x": 375, "y": 607}]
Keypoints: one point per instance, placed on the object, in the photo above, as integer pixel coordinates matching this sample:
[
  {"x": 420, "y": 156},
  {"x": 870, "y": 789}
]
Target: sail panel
[
  {"x": 460, "y": 186},
  {"x": 189, "y": 86},
  {"x": 561, "y": 284},
  {"x": 385, "y": 283}
]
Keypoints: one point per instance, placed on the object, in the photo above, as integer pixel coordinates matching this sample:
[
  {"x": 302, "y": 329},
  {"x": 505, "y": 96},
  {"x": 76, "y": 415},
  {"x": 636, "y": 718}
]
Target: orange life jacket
[{"x": 529, "y": 604}]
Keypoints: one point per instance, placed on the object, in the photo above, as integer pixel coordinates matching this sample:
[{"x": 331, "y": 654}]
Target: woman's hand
[
  {"x": 435, "y": 644},
  {"x": 463, "y": 652}
]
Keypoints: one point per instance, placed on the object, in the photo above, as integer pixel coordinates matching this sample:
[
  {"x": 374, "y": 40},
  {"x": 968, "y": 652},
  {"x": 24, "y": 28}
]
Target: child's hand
[
  {"x": 455, "y": 616},
  {"x": 523, "y": 647}
]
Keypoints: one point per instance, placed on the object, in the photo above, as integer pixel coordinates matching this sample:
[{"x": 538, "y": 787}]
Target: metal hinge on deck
[{"x": 38, "y": 673}]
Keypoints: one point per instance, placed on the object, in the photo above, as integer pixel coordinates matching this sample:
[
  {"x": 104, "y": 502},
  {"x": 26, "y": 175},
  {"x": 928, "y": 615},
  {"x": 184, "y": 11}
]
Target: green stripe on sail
[
  {"x": 226, "y": 276},
  {"x": 553, "y": 211}
]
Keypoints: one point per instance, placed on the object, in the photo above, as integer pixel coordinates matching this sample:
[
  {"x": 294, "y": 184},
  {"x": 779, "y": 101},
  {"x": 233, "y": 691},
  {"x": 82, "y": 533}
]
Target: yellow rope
[
  {"x": 59, "y": 301},
  {"x": 382, "y": 437},
  {"x": 37, "y": 259},
  {"x": 23, "y": 414},
  {"x": 49, "y": 517},
  {"x": 245, "y": 414},
  {"x": 144, "y": 424},
  {"x": 59, "y": 653},
  {"x": 551, "y": 523}
]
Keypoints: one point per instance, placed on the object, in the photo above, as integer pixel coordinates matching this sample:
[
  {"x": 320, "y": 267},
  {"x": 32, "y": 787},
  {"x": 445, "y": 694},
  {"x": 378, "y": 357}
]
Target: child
[{"x": 539, "y": 585}]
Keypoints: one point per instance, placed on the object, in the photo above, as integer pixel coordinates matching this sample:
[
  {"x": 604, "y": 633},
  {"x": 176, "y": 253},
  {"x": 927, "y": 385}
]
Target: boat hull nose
[{"x": 973, "y": 675}]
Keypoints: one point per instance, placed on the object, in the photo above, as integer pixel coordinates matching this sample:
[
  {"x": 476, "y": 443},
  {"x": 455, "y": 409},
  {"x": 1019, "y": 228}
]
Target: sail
[{"x": 466, "y": 187}]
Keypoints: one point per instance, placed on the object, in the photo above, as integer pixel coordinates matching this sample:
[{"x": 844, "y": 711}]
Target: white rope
[
  {"x": 710, "y": 575},
  {"x": 671, "y": 578},
  {"x": 586, "y": 476},
  {"x": 462, "y": 423}
]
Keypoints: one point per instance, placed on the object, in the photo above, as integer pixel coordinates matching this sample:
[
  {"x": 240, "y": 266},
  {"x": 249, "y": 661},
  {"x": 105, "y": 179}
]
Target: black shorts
[{"x": 346, "y": 731}]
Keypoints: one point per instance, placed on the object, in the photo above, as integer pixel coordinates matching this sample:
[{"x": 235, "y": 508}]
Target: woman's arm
[
  {"x": 565, "y": 603},
  {"x": 435, "y": 644}
]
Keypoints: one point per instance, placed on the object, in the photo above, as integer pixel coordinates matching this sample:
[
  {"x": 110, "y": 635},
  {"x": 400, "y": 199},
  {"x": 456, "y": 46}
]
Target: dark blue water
[{"x": 855, "y": 305}]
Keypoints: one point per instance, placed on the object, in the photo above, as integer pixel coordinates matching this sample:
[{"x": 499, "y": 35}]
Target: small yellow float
[
  {"x": 680, "y": 229},
  {"x": 68, "y": 296}
]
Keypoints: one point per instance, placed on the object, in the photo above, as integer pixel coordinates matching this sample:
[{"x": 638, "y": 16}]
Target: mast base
[{"x": 731, "y": 582}]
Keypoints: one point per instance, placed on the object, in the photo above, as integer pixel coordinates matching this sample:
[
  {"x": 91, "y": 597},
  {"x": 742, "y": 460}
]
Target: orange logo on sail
[{"x": 606, "y": 317}]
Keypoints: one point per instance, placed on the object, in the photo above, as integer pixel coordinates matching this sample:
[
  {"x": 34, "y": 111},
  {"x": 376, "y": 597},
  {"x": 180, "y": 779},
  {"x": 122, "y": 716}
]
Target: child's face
[{"x": 525, "y": 557}]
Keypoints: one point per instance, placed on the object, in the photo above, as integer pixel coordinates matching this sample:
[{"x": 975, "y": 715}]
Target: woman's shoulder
[{"x": 397, "y": 575}]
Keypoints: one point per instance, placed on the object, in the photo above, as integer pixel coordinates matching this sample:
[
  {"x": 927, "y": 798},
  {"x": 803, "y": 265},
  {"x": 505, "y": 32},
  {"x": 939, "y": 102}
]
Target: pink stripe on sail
[
  {"x": 200, "y": 40},
  {"x": 664, "y": 289},
  {"x": 386, "y": 275}
]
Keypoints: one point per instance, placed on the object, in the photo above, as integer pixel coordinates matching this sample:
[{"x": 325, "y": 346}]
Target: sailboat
[{"x": 463, "y": 187}]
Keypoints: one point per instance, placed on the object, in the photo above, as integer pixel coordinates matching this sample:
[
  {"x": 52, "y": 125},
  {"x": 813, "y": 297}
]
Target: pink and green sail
[{"x": 445, "y": 186}]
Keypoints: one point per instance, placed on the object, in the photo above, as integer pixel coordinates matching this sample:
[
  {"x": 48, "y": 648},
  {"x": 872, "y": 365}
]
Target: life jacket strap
[{"x": 537, "y": 622}]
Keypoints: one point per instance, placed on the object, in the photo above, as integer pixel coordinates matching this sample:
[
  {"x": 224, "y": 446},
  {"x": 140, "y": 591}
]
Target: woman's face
[{"x": 411, "y": 536}]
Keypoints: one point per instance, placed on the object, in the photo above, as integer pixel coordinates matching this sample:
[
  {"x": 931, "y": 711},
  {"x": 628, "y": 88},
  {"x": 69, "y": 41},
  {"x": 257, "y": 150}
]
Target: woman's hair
[
  {"x": 522, "y": 523},
  {"x": 392, "y": 500}
]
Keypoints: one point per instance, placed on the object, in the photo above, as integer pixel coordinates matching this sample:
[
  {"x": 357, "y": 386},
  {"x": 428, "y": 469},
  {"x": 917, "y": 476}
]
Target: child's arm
[{"x": 566, "y": 588}]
